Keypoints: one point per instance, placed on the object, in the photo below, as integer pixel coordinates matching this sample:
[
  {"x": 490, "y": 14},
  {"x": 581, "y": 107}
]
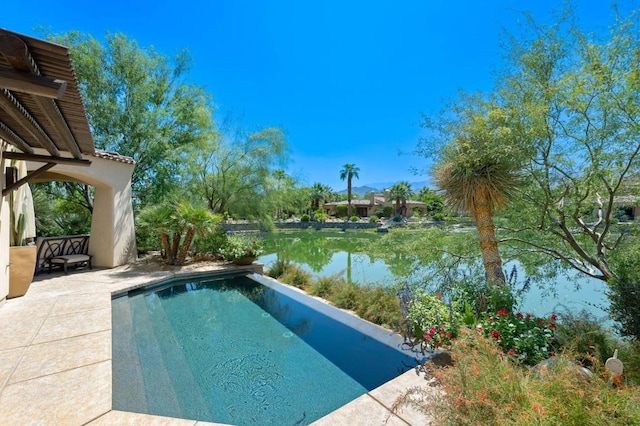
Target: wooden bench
[{"x": 62, "y": 252}]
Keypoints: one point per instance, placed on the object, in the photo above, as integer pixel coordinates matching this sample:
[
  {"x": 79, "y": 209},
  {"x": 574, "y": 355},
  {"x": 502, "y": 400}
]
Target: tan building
[{"x": 369, "y": 206}]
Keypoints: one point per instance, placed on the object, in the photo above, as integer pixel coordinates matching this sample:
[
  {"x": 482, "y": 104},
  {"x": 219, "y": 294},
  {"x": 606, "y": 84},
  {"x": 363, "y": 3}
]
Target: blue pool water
[{"x": 235, "y": 350}]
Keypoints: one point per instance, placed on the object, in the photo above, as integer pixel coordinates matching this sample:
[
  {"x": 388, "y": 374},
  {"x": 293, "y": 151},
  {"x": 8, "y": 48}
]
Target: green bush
[
  {"x": 584, "y": 336},
  {"x": 386, "y": 211},
  {"x": 624, "y": 290},
  {"x": 210, "y": 243},
  {"x": 320, "y": 216},
  {"x": 345, "y": 295},
  {"x": 354, "y": 218},
  {"x": 341, "y": 210},
  {"x": 305, "y": 218},
  {"x": 373, "y": 219},
  {"x": 323, "y": 286},
  {"x": 296, "y": 276},
  {"x": 278, "y": 269},
  {"x": 432, "y": 319},
  {"x": 380, "y": 306}
]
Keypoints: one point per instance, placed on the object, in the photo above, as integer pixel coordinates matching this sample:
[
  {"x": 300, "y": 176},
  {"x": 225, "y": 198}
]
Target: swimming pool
[{"x": 244, "y": 350}]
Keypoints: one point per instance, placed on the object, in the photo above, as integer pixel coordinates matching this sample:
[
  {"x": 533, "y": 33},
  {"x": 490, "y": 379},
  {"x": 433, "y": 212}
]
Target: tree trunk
[
  {"x": 483, "y": 215},
  {"x": 349, "y": 197},
  {"x": 184, "y": 249},
  {"x": 166, "y": 244}
]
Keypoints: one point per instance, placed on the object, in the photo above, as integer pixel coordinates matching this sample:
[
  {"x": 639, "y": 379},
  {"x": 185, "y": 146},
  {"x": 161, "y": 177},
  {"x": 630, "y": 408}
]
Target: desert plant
[
  {"x": 238, "y": 246},
  {"x": 296, "y": 276},
  {"x": 373, "y": 219},
  {"x": 354, "y": 218},
  {"x": 305, "y": 218}
]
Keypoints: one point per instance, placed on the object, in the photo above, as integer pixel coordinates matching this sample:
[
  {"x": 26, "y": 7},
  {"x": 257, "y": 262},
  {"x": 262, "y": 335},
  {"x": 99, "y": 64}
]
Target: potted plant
[
  {"x": 241, "y": 249},
  {"x": 22, "y": 257}
]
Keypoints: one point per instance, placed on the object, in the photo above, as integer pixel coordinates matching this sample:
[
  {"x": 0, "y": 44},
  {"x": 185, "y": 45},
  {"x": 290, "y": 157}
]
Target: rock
[
  {"x": 383, "y": 229},
  {"x": 551, "y": 363}
]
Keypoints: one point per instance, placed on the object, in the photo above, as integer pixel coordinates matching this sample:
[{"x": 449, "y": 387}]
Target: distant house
[
  {"x": 369, "y": 206},
  {"x": 628, "y": 202}
]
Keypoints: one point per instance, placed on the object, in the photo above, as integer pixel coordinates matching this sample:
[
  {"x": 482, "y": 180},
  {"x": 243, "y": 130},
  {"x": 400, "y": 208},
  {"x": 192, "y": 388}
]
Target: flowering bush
[
  {"x": 238, "y": 246},
  {"x": 432, "y": 319},
  {"x": 522, "y": 337}
]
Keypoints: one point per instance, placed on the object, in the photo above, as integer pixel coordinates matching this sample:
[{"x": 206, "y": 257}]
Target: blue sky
[{"x": 346, "y": 80}]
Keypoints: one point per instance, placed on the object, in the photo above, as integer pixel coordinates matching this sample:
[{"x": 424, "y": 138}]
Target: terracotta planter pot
[
  {"x": 244, "y": 260},
  {"x": 23, "y": 264}
]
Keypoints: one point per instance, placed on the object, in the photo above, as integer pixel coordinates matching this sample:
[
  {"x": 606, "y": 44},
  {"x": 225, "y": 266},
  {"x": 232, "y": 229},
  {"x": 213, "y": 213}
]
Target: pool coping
[{"x": 55, "y": 354}]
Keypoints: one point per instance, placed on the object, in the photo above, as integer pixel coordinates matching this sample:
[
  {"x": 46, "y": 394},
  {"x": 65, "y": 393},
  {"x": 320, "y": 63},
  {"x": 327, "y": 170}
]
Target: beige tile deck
[{"x": 55, "y": 357}]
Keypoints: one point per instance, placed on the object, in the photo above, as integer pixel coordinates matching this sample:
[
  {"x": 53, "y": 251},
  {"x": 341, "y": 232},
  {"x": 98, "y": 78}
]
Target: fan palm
[
  {"x": 348, "y": 172},
  {"x": 478, "y": 172}
]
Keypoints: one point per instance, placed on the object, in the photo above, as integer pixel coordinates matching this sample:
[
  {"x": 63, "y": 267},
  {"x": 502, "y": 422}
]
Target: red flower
[
  {"x": 437, "y": 343},
  {"x": 502, "y": 312},
  {"x": 495, "y": 334},
  {"x": 441, "y": 334},
  {"x": 511, "y": 352},
  {"x": 554, "y": 317},
  {"x": 432, "y": 330},
  {"x": 552, "y": 325},
  {"x": 528, "y": 316},
  {"x": 426, "y": 336},
  {"x": 519, "y": 315},
  {"x": 490, "y": 319},
  {"x": 448, "y": 335}
]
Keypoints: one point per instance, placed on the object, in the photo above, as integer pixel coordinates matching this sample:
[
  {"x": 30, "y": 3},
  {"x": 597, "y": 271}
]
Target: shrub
[
  {"x": 278, "y": 268},
  {"x": 239, "y": 246},
  {"x": 384, "y": 211},
  {"x": 586, "y": 338},
  {"x": 296, "y": 276},
  {"x": 341, "y": 210},
  {"x": 320, "y": 216},
  {"x": 380, "y": 306},
  {"x": 523, "y": 338},
  {"x": 373, "y": 219},
  {"x": 432, "y": 319},
  {"x": 624, "y": 290},
  {"x": 211, "y": 243},
  {"x": 354, "y": 218},
  {"x": 305, "y": 218},
  {"x": 323, "y": 286},
  {"x": 345, "y": 295},
  {"x": 484, "y": 388}
]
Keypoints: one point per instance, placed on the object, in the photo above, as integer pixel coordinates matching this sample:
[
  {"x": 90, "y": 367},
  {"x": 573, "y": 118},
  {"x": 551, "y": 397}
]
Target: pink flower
[
  {"x": 437, "y": 343},
  {"x": 441, "y": 326},
  {"x": 448, "y": 335},
  {"x": 490, "y": 319},
  {"x": 426, "y": 336},
  {"x": 554, "y": 317},
  {"x": 441, "y": 334},
  {"x": 511, "y": 352},
  {"x": 432, "y": 330},
  {"x": 479, "y": 327}
]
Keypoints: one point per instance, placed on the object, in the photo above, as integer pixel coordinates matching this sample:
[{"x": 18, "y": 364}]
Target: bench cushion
[{"x": 70, "y": 258}]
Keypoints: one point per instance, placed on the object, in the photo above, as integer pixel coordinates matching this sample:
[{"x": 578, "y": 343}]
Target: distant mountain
[{"x": 381, "y": 186}]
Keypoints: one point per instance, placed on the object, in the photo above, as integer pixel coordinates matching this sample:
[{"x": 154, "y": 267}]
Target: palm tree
[
  {"x": 348, "y": 172},
  {"x": 402, "y": 192},
  {"x": 319, "y": 192},
  {"x": 478, "y": 170}
]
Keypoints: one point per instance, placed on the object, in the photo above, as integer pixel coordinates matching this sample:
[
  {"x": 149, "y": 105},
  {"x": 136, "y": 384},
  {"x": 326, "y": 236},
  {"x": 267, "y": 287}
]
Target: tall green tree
[
  {"x": 139, "y": 104},
  {"x": 348, "y": 172},
  {"x": 576, "y": 98},
  {"x": 235, "y": 172}
]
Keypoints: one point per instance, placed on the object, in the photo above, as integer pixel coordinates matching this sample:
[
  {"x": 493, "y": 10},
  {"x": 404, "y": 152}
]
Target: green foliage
[
  {"x": 211, "y": 243},
  {"x": 586, "y": 338},
  {"x": 341, "y": 211},
  {"x": 386, "y": 211},
  {"x": 238, "y": 246},
  {"x": 305, "y": 218},
  {"x": 482, "y": 388},
  {"x": 177, "y": 224},
  {"x": 624, "y": 289},
  {"x": 296, "y": 276},
  {"x": 320, "y": 216},
  {"x": 345, "y": 295},
  {"x": 354, "y": 218},
  {"x": 379, "y": 306},
  {"x": 139, "y": 105},
  {"x": 373, "y": 219},
  {"x": 523, "y": 338},
  {"x": 323, "y": 286},
  {"x": 278, "y": 268},
  {"x": 432, "y": 319}
]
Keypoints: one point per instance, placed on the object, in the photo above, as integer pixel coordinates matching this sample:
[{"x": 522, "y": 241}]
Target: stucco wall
[{"x": 4, "y": 236}]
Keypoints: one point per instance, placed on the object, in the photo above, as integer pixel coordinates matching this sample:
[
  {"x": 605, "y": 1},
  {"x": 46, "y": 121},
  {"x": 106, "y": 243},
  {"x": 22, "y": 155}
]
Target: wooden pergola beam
[
  {"x": 30, "y": 176},
  {"x": 15, "y": 109},
  {"x": 8, "y": 135},
  {"x": 36, "y": 85},
  {"x": 45, "y": 159}
]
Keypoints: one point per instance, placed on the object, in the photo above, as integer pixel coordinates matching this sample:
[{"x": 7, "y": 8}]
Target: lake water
[{"x": 327, "y": 253}]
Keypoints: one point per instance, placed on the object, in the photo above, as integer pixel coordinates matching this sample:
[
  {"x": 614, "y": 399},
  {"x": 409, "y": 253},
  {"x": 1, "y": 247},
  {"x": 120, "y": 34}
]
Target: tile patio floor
[{"x": 55, "y": 357}]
